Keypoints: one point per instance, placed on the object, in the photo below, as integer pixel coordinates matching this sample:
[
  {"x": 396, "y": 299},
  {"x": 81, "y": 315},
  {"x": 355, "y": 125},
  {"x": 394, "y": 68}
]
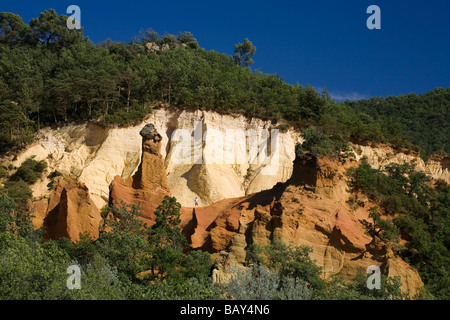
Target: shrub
[
  {"x": 198, "y": 264},
  {"x": 259, "y": 283},
  {"x": 19, "y": 191},
  {"x": 123, "y": 118},
  {"x": 319, "y": 144},
  {"x": 3, "y": 173},
  {"x": 30, "y": 171}
]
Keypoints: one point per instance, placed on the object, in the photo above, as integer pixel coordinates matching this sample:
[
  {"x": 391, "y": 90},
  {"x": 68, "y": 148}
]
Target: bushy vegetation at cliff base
[
  {"x": 135, "y": 262},
  {"x": 50, "y": 75}
]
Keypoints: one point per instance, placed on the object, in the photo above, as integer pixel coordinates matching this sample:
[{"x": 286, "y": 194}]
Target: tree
[
  {"x": 52, "y": 30},
  {"x": 311, "y": 104},
  {"x": 16, "y": 127},
  {"x": 122, "y": 239},
  {"x": 383, "y": 229},
  {"x": 319, "y": 144},
  {"x": 390, "y": 288},
  {"x": 149, "y": 35},
  {"x": 166, "y": 238},
  {"x": 294, "y": 262},
  {"x": 170, "y": 40},
  {"x": 243, "y": 53},
  {"x": 19, "y": 191},
  {"x": 7, "y": 209},
  {"x": 293, "y": 265},
  {"x": 29, "y": 171},
  {"x": 107, "y": 90},
  {"x": 13, "y": 31},
  {"x": 188, "y": 39},
  {"x": 198, "y": 264},
  {"x": 166, "y": 231},
  {"x": 130, "y": 82}
]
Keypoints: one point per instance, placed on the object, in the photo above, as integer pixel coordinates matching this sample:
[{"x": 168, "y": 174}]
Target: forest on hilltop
[{"x": 50, "y": 75}]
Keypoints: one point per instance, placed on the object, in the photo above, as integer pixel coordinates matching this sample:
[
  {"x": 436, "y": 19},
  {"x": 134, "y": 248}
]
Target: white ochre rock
[{"x": 207, "y": 155}]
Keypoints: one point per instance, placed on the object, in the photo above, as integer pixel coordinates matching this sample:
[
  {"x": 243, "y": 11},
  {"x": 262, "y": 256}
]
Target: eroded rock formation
[
  {"x": 305, "y": 212},
  {"x": 148, "y": 186},
  {"x": 68, "y": 212},
  {"x": 303, "y": 203},
  {"x": 96, "y": 155}
]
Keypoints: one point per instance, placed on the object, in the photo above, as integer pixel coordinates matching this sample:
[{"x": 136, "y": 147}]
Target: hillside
[
  {"x": 90, "y": 167},
  {"x": 53, "y": 76},
  {"x": 104, "y": 147}
]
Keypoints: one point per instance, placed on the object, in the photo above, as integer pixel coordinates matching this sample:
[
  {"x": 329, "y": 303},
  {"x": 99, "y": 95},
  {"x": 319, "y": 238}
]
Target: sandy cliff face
[
  {"x": 301, "y": 201},
  {"x": 68, "y": 212},
  {"x": 378, "y": 155},
  {"x": 307, "y": 211},
  {"x": 97, "y": 155},
  {"x": 148, "y": 186}
]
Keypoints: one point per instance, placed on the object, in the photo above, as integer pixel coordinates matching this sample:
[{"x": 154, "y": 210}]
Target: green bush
[
  {"x": 339, "y": 289},
  {"x": 126, "y": 118},
  {"x": 20, "y": 192},
  {"x": 3, "y": 173},
  {"x": 31, "y": 271},
  {"x": 30, "y": 171},
  {"x": 260, "y": 283},
  {"x": 319, "y": 144},
  {"x": 198, "y": 264}
]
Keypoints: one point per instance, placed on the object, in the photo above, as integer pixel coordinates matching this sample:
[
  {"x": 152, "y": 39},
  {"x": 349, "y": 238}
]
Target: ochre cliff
[
  {"x": 148, "y": 186},
  {"x": 310, "y": 210},
  {"x": 97, "y": 155},
  {"x": 68, "y": 212},
  {"x": 303, "y": 201},
  {"x": 307, "y": 211}
]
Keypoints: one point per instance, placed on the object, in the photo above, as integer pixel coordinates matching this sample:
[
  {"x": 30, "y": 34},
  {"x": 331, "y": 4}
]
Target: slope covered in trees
[
  {"x": 421, "y": 119},
  {"x": 50, "y": 75}
]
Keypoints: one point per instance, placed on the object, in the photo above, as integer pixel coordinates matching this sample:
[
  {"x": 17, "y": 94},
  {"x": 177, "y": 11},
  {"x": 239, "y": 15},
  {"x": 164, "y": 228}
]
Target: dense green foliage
[
  {"x": 421, "y": 214},
  {"x": 17, "y": 186},
  {"x": 29, "y": 171},
  {"x": 421, "y": 119},
  {"x": 319, "y": 144},
  {"x": 243, "y": 53},
  {"x": 50, "y": 75}
]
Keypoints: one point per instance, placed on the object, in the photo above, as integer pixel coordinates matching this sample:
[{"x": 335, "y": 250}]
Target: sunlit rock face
[
  {"x": 252, "y": 187},
  {"x": 206, "y": 155}
]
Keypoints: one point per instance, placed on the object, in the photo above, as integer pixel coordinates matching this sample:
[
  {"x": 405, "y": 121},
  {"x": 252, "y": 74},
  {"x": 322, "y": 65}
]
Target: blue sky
[{"x": 322, "y": 43}]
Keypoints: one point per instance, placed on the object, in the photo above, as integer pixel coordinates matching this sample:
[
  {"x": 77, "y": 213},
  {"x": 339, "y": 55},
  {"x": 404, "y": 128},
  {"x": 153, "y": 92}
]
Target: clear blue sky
[{"x": 324, "y": 43}]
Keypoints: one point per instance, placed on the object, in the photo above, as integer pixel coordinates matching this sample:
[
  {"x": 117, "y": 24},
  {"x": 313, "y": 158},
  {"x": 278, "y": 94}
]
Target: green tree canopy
[
  {"x": 51, "y": 29},
  {"x": 243, "y": 53},
  {"x": 13, "y": 31}
]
